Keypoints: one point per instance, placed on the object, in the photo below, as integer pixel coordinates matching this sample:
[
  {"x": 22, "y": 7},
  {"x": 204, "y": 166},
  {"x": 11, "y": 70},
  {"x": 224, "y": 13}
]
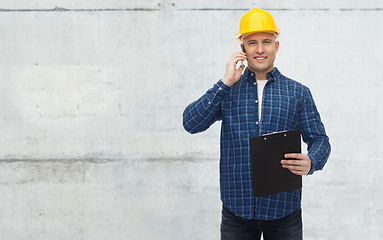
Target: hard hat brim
[{"x": 239, "y": 36}]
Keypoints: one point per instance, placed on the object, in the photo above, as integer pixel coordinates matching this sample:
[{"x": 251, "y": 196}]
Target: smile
[{"x": 260, "y": 58}]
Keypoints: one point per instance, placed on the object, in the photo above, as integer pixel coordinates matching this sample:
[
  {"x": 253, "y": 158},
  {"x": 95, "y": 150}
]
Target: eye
[{"x": 267, "y": 42}]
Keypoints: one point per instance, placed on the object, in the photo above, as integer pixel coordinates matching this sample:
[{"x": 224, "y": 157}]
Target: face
[{"x": 261, "y": 49}]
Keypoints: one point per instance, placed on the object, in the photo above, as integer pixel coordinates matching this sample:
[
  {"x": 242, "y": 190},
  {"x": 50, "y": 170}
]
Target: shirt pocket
[{"x": 283, "y": 112}]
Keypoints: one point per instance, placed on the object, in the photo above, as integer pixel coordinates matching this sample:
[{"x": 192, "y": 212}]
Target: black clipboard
[{"x": 266, "y": 152}]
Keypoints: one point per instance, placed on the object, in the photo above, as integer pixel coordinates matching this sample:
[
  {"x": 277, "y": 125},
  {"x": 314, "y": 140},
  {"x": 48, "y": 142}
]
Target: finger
[
  {"x": 293, "y": 155},
  {"x": 239, "y": 54},
  {"x": 298, "y": 172},
  {"x": 294, "y": 168},
  {"x": 298, "y": 164},
  {"x": 240, "y": 68},
  {"x": 238, "y": 58},
  {"x": 293, "y": 162},
  {"x": 234, "y": 63},
  {"x": 297, "y": 169}
]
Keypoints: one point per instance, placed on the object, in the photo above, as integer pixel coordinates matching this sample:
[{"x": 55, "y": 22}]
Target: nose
[{"x": 259, "y": 48}]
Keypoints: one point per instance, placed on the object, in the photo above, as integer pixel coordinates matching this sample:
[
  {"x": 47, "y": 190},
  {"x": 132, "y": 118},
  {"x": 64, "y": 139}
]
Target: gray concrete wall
[{"x": 91, "y": 101}]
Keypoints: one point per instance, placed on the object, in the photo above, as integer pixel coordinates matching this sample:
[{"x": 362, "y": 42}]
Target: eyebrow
[{"x": 265, "y": 39}]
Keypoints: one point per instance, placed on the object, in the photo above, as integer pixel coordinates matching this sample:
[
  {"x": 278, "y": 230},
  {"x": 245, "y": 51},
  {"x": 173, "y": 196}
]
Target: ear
[{"x": 277, "y": 45}]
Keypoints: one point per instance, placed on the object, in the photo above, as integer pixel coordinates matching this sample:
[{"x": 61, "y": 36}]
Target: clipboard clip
[{"x": 269, "y": 134}]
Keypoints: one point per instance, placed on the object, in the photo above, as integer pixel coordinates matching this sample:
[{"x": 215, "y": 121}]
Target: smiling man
[{"x": 251, "y": 102}]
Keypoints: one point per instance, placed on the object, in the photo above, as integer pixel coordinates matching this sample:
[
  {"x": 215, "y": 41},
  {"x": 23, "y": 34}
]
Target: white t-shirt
[{"x": 261, "y": 85}]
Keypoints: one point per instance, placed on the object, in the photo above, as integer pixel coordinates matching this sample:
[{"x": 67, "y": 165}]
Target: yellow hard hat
[{"x": 256, "y": 20}]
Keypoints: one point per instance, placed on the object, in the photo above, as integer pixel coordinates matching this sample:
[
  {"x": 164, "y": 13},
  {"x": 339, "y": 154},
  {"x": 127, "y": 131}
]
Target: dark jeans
[{"x": 236, "y": 228}]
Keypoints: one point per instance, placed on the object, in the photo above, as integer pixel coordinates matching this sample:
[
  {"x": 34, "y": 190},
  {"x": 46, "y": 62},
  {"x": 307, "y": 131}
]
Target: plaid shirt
[{"x": 286, "y": 105}]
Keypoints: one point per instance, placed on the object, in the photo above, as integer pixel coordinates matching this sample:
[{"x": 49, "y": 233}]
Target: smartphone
[{"x": 243, "y": 50}]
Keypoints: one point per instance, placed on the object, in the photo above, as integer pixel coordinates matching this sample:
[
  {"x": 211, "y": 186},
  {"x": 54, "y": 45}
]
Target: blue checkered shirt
[{"x": 286, "y": 105}]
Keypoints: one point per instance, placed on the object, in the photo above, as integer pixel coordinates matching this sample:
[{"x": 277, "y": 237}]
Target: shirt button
[
  {"x": 256, "y": 101},
  {"x": 257, "y": 122},
  {"x": 252, "y": 74},
  {"x": 255, "y": 83},
  {"x": 220, "y": 88},
  {"x": 209, "y": 102}
]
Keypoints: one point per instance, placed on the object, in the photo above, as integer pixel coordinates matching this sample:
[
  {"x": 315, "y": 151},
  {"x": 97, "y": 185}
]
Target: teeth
[{"x": 260, "y": 58}]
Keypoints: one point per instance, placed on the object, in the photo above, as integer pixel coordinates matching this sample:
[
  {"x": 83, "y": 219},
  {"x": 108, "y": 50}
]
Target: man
[{"x": 251, "y": 102}]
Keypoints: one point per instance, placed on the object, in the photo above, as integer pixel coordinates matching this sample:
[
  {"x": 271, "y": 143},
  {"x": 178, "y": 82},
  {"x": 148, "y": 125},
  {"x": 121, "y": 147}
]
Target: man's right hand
[{"x": 232, "y": 74}]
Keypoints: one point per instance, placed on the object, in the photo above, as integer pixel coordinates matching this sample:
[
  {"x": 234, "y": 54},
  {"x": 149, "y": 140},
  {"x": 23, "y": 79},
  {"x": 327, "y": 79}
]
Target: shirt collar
[{"x": 271, "y": 76}]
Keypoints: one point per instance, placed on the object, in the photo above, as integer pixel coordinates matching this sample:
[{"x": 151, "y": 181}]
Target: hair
[{"x": 246, "y": 35}]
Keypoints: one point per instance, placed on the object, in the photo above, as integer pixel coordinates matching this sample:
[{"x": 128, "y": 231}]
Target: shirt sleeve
[
  {"x": 313, "y": 133},
  {"x": 201, "y": 114}
]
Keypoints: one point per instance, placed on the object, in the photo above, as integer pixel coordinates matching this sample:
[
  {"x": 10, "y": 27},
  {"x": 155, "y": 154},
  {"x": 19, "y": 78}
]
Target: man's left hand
[{"x": 299, "y": 165}]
